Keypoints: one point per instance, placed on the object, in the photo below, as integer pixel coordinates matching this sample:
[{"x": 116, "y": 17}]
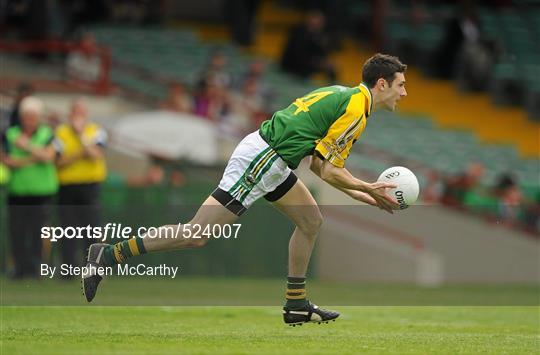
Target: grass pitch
[
  {"x": 248, "y": 330},
  {"x": 90, "y": 329}
]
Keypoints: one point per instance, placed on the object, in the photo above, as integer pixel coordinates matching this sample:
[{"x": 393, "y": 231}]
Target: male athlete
[{"x": 324, "y": 124}]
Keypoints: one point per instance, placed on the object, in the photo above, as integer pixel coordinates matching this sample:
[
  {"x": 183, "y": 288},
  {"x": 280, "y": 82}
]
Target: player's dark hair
[{"x": 381, "y": 66}]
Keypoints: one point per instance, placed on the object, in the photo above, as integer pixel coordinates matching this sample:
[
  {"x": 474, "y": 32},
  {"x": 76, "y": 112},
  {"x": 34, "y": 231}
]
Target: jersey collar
[{"x": 363, "y": 87}]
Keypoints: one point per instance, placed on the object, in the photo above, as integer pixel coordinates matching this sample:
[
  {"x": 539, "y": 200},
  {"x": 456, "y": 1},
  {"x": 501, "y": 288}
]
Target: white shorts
[{"x": 254, "y": 170}]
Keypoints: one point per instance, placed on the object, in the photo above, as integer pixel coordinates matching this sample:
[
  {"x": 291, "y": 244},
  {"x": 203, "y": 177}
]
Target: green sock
[
  {"x": 119, "y": 252},
  {"x": 296, "y": 293}
]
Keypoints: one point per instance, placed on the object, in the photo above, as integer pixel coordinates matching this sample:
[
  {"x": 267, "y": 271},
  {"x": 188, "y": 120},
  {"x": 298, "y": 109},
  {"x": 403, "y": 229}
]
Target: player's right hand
[{"x": 377, "y": 190}]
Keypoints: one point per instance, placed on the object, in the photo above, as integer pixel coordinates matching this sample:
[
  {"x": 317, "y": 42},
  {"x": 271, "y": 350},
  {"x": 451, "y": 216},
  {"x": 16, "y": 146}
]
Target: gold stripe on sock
[
  {"x": 117, "y": 254},
  {"x": 133, "y": 247},
  {"x": 299, "y": 297},
  {"x": 295, "y": 294}
]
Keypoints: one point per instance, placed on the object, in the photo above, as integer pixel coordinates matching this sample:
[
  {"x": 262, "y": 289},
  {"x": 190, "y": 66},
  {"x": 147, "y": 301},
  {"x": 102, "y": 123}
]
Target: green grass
[
  {"x": 248, "y": 330},
  {"x": 143, "y": 316},
  {"x": 197, "y": 291}
]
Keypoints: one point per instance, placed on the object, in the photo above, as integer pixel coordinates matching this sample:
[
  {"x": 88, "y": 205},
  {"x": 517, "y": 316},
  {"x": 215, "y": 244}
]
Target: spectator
[
  {"x": 457, "y": 187},
  {"x": 28, "y": 151},
  {"x": 461, "y": 28},
  {"x": 81, "y": 170},
  {"x": 432, "y": 192},
  {"x": 463, "y": 54},
  {"x": 23, "y": 90},
  {"x": 241, "y": 20},
  {"x": 84, "y": 66},
  {"x": 212, "y": 100},
  {"x": 509, "y": 199},
  {"x": 247, "y": 107},
  {"x": 215, "y": 71},
  {"x": 307, "y": 49},
  {"x": 256, "y": 71},
  {"x": 178, "y": 100}
]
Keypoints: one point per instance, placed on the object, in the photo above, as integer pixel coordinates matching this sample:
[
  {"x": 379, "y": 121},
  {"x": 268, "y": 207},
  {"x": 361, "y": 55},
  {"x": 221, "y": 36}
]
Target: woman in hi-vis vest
[
  {"x": 81, "y": 170},
  {"x": 29, "y": 154}
]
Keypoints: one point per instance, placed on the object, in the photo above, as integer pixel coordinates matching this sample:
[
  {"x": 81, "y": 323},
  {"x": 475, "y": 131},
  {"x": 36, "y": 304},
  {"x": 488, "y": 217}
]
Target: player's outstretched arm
[{"x": 340, "y": 178}]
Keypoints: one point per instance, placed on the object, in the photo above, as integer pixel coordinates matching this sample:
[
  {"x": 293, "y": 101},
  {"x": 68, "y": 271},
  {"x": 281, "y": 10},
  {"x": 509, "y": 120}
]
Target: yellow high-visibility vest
[{"x": 83, "y": 170}]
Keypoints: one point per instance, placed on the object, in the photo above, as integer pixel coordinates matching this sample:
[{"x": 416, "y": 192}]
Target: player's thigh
[
  {"x": 300, "y": 207},
  {"x": 213, "y": 212}
]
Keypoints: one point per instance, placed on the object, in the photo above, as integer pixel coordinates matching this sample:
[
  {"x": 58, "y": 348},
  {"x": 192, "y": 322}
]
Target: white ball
[{"x": 407, "y": 190}]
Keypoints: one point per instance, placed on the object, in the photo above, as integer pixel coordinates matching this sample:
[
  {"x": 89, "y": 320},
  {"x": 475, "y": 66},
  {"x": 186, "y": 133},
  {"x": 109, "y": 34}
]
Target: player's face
[{"x": 395, "y": 92}]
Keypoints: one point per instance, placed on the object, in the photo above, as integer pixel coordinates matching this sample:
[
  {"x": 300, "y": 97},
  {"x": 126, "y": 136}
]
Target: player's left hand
[{"x": 377, "y": 191}]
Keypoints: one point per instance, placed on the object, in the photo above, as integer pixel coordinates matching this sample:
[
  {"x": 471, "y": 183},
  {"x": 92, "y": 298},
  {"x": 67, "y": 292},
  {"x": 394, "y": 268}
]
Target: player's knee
[{"x": 311, "y": 225}]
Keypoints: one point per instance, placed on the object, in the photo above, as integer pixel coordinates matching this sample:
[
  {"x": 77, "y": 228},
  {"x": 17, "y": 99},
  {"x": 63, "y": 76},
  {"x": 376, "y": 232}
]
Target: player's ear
[{"x": 381, "y": 83}]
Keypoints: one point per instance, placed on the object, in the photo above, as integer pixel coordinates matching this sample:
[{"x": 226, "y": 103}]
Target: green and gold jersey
[{"x": 328, "y": 120}]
